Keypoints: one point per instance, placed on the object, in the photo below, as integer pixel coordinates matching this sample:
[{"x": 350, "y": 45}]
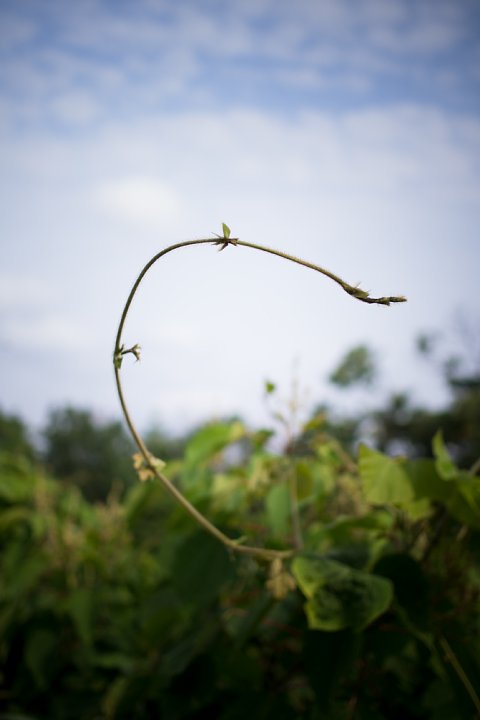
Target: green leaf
[
  {"x": 226, "y": 231},
  {"x": 338, "y": 596},
  {"x": 207, "y": 443},
  {"x": 426, "y": 481},
  {"x": 211, "y": 439},
  {"x": 469, "y": 487},
  {"x": 270, "y": 387},
  {"x": 445, "y": 466},
  {"x": 277, "y": 505},
  {"x": 385, "y": 481},
  {"x": 343, "y": 528},
  {"x": 464, "y": 502},
  {"x": 358, "y": 365}
]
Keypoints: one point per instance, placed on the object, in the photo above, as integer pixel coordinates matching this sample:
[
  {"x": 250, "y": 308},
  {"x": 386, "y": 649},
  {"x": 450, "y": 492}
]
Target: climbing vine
[{"x": 150, "y": 466}]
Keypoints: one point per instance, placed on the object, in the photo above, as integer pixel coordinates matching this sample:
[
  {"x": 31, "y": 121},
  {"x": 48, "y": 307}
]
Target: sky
[{"x": 346, "y": 132}]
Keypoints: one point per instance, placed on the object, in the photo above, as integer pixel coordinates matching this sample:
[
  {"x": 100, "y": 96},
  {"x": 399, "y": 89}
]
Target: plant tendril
[{"x": 152, "y": 464}]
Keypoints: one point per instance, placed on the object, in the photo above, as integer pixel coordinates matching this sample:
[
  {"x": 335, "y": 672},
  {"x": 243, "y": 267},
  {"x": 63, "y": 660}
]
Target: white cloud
[
  {"x": 167, "y": 52},
  {"x": 141, "y": 201},
  {"x": 46, "y": 333}
]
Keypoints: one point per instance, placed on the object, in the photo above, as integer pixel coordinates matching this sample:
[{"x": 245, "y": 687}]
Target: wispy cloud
[
  {"x": 68, "y": 66},
  {"x": 142, "y": 201}
]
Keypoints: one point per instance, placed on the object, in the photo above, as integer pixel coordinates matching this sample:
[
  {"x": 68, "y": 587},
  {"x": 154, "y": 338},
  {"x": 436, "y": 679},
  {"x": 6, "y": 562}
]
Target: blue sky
[{"x": 344, "y": 132}]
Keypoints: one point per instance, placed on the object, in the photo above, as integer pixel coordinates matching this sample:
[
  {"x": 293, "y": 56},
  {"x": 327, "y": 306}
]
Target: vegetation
[
  {"x": 332, "y": 581},
  {"x": 125, "y": 609}
]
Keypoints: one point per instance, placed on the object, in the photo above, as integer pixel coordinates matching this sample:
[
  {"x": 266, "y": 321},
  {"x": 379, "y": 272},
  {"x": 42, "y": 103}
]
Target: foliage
[
  {"x": 128, "y": 610},
  {"x": 356, "y": 368},
  {"x": 412, "y": 427},
  {"x": 14, "y": 436},
  {"x": 84, "y": 452},
  {"x": 401, "y": 425}
]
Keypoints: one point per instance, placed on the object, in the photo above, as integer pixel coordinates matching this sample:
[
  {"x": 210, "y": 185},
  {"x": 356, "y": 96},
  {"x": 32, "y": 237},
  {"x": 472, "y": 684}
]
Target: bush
[{"x": 129, "y": 610}]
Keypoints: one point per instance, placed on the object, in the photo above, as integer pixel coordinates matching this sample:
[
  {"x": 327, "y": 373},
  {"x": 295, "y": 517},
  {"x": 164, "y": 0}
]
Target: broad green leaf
[
  {"x": 341, "y": 530},
  {"x": 269, "y": 387},
  {"x": 461, "y": 498},
  {"x": 426, "y": 481},
  {"x": 338, "y": 596},
  {"x": 377, "y": 520},
  {"x": 210, "y": 440},
  {"x": 226, "y": 230},
  {"x": 418, "y": 509},
  {"x": 277, "y": 504},
  {"x": 464, "y": 502},
  {"x": 384, "y": 479},
  {"x": 445, "y": 466},
  {"x": 469, "y": 487}
]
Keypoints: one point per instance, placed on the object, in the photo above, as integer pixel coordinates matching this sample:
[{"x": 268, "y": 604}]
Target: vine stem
[
  {"x": 120, "y": 351},
  {"x": 461, "y": 673}
]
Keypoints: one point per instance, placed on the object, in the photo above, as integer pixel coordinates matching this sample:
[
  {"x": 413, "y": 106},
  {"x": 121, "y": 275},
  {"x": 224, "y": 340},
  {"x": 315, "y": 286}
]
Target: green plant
[{"x": 111, "y": 611}]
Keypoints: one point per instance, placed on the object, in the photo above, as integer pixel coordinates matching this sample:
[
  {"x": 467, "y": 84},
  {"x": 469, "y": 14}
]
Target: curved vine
[{"x": 151, "y": 466}]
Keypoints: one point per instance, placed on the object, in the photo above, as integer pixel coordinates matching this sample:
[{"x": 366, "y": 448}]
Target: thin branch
[
  {"x": 463, "y": 677},
  {"x": 352, "y": 290}
]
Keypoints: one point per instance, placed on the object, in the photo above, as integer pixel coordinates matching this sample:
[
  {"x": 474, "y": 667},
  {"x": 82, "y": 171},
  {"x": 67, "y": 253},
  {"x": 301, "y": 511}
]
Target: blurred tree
[
  {"x": 14, "y": 436},
  {"x": 356, "y": 368},
  {"x": 93, "y": 455},
  {"x": 402, "y": 427},
  {"x": 163, "y": 445}
]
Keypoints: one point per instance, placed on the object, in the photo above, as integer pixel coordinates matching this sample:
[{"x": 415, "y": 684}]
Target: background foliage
[{"x": 113, "y": 604}]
